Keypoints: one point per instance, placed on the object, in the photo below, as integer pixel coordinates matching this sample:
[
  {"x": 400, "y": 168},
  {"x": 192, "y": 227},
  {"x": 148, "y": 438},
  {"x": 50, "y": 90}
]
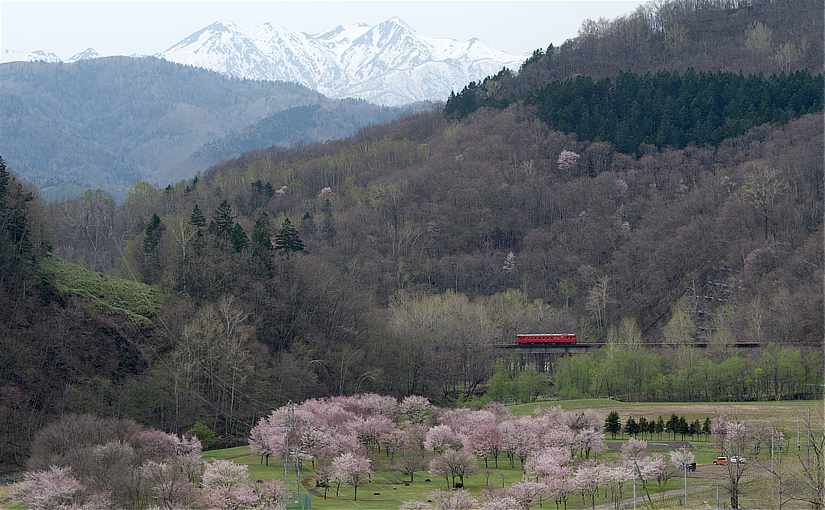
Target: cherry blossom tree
[
  {"x": 567, "y": 160},
  {"x": 351, "y": 469},
  {"x": 733, "y": 437},
  {"x": 454, "y": 464},
  {"x": 441, "y": 438},
  {"x": 267, "y": 437},
  {"x": 615, "y": 478},
  {"x": 547, "y": 463},
  {"x": 590, "y": 441},
  {"x": 560, "y": 488},
  {"x": 453, "y": 500},
  {"x": 484, "y": 439},
  {"x": 500, "y": 503},
  {"x": 272, "y": 495},
  {"x": 50, "y": 489},
  {"x": 588, "y": 479},
  {"x": 226, "y": 485},
  {"x": 526, "y": 493},
  {"x": 519, "y": 438},
  {"x": 392, "y": 441},
  {"x": 170, "y": 486},
  {"x": 416, "y": 410},
  {"x": 682, "y": 458}
]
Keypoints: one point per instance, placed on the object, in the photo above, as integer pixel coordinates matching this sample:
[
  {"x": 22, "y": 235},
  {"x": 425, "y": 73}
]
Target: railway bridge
[{"x": 544, "y": 355}]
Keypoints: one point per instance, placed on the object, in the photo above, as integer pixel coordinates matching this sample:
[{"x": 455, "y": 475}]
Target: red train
[{"x": 554, "y": 338}]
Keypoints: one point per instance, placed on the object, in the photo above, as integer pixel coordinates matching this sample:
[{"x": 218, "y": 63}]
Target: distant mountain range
[
  {"x": 388, "y": 63},
  {"x": 110, "y": 122}
]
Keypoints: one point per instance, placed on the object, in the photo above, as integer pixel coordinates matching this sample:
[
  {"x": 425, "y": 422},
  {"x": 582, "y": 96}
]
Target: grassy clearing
[
  {"x": 782, "y": 414},
  {"x": 136, "y": 301},
  {"x": 387, "y": 490}
]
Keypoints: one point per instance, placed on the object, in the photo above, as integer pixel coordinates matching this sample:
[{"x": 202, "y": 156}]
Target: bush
[{"x": 208, "y": 438}]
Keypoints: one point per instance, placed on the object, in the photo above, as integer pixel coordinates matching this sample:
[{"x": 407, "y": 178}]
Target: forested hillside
[
  {"x": 740, "y": 36},
  {"x": 393, "y": 261},
  {"x": 109, "y": 123}
]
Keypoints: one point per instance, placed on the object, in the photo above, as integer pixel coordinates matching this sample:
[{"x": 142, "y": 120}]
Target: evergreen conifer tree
[
  {"x": 222, "y": 223},
  {"x": 612, "y": 425},
  {"x": 287, "y": 240},
  {"x": 262, "y": 245},
  {"x": 238, "y": 237}
]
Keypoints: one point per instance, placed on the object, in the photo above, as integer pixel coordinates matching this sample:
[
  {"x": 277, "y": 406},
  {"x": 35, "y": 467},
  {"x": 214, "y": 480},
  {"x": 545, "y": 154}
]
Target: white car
[{"x": 738, "y": 460}]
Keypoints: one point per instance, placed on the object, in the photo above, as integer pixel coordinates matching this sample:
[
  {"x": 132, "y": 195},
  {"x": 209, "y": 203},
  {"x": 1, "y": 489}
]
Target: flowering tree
[
  {"x": 681, "y": 459},
  {"x": 272, "y": 495},
  {"x": 519, "y": 438},
  {"x": 559, "y": 488},
  {"x": 441, "y": 438},
  {"x": 49, "y": 489},
  {"x": 567, "y": 160},
  {"x": 267, "y": 438},
  {"x": 170, "y": 486},
  {"x": 351, "y": 469},
  {"x": 548, "y": 463},
  {"x": 526, "y": 493},
  {"x": 392, "y": 441},
  {"x": 453, "y": 500},
  {"x": 454, "y": 464},
  {"x": 590, "y": 440},
  {"x": 226, "y": 485},
  {"x": 588, "y": 479},
  {"x": 615, "y": 477},
  {"x": 500, "y": 503},
  {"x": 416, "y": 410},
  {"x": 734, "y": 438},
  {"x": 484, "y": 439}
]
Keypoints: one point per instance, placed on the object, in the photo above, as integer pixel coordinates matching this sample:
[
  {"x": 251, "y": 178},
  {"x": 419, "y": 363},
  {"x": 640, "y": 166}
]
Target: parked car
[
  {"x": 738, "y": 460},
  {"x": 720, "y": 461},
  {"x": 691, "y": 466}
]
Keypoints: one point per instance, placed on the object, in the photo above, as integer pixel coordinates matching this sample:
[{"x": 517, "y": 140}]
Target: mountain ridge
[{"x": 387, "y": 63}]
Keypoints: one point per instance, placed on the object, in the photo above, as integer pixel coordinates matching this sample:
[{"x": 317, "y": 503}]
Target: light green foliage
[
  {"x": 138, "y": 302},
  {"x": 205, "y": 435}
]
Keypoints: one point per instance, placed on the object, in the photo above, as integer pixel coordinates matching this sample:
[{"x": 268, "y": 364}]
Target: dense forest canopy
[
  {"x": 668, "y": 109},
  {"x": 393, "y": 261}
]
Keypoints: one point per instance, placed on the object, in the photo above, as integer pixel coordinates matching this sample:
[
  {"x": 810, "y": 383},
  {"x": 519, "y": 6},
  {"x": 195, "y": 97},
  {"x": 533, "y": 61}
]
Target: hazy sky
[{"x": 119, "y": 27}]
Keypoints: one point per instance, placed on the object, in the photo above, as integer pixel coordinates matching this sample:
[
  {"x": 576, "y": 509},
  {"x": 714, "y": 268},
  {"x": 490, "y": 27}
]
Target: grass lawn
[
  {"x": 782, "y": 414},
  {"x": 387, "y": 490}
]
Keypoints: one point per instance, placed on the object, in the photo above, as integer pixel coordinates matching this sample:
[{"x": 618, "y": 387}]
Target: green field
[
  {"x": 782, "y": 414},
  {"x": 387, "y": 490}
]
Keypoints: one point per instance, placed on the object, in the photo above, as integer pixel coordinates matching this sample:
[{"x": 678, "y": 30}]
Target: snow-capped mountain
[
  {"x": 10, "y": 55},
  {"x": 388, "y": 63},
  {"x": 87, "y": 54}
]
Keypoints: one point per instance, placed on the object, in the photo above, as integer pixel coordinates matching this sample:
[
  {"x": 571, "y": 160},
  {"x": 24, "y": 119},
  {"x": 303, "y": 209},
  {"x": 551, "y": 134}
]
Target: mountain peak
[
  {"x": 87, "y": 54},
  {"x": 396, "y": 22},
  {"x": 387, "y": 63}
]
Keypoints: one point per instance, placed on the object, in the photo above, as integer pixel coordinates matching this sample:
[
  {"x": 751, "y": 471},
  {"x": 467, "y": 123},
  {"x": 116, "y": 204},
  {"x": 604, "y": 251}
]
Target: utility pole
[
  {"x": 685, "y": 502},
  {"x": 634, "y": 493}
]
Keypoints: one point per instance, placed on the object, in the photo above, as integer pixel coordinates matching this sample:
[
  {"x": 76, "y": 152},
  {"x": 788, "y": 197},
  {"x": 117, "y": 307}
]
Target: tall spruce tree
[
  {"x": 612, "y": 425},
  {"x": 262, "y": 245},
  {"x": 287, "y": 240},
  {"x": 151, "y": 247},
  {"x": 238, "y": 238},
  {"x": 222, "y": 224}
]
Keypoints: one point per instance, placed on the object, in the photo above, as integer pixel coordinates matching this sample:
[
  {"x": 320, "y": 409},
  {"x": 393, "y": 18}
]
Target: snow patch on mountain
[{"x": 388, "y": 63}]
